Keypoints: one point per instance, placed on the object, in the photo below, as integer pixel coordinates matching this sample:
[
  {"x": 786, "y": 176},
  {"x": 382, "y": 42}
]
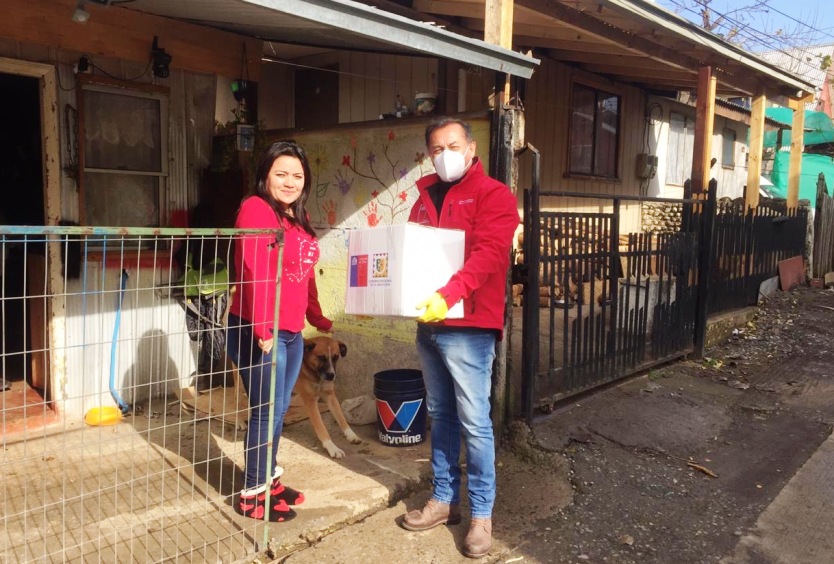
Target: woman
[{"x": 282, "y": 188}]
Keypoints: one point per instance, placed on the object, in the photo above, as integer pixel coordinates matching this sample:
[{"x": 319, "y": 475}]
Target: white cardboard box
[{"x": 392, "y": 269}]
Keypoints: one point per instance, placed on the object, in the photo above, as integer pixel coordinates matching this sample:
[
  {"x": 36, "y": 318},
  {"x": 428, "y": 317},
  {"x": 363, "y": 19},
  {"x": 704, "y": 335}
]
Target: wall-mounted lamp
[
  {"x": 81, "y": 15},
  {"x": 160, "y": 60}
]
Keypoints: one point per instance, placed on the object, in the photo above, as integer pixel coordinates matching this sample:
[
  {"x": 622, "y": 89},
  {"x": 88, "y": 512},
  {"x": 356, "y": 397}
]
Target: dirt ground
[
  {"x": 673, "y": 466},
  {"x": 676, "y": 466}
]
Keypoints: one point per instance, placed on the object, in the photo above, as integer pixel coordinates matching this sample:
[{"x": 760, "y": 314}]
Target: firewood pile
[
  {"x": 659, "y": 217},
  {"x": 585, "y": 276}
]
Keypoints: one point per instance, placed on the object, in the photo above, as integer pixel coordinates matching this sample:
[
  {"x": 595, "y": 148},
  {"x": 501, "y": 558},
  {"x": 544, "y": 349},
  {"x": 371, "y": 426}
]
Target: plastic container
[
  {"x": 400, "y": 407},
  {"x": 424, "y": 103}
]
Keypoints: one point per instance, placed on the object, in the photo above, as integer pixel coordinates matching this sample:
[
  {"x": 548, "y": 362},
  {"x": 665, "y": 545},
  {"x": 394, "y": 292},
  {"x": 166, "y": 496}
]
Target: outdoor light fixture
[
  {"x": 80, "y": 15},
  {"x": 160, "y": 60}
]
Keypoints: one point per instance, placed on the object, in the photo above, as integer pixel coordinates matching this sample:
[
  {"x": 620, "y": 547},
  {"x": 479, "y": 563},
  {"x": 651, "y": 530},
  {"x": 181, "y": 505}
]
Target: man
[{"x": 457, "y": 354}]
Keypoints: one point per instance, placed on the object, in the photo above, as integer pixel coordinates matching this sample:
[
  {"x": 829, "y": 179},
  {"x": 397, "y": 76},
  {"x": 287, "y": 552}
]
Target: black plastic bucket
[{"x": 400, "y": 407}]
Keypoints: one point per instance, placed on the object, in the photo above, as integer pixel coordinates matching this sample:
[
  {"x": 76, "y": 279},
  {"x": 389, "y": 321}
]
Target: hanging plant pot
[{"x": 239, "y": 88}]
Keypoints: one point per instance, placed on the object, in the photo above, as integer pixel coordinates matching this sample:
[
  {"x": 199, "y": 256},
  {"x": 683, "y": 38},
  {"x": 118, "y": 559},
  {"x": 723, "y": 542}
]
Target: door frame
[{"x": 51, "y": 160}]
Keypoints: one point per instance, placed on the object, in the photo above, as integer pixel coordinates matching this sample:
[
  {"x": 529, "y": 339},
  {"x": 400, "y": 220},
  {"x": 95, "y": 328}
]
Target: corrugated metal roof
[
  {"x": 803, "y": 62},
  {"x": 339, "y": 24}
]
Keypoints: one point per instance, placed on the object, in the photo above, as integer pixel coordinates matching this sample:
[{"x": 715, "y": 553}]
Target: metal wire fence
[{"x": 123, "y": 326}]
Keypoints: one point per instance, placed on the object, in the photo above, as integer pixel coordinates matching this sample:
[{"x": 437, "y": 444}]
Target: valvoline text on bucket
[{"x": 398, "y": 424}]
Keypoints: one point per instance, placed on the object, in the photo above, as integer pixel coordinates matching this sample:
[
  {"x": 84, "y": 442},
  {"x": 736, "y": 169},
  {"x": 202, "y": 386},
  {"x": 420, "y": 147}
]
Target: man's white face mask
[{"x": 451, "y": 165}]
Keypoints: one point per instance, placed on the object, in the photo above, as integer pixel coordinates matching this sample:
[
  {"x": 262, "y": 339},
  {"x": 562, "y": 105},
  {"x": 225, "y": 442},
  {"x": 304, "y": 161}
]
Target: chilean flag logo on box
[{"x": 359, "y": 271}]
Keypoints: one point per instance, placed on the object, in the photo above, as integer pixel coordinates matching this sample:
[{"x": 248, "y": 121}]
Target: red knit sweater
[{"x": 256, "y": 273}]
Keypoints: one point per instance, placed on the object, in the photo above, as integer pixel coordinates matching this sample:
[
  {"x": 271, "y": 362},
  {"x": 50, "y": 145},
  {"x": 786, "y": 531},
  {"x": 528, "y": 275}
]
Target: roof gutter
[
  {"x": 391, "y": 28},
  {"x": 676, "y": 24}
]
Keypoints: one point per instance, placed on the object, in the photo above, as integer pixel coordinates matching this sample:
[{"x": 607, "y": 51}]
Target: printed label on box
[
  {"x": 379, "y": 270},
  {"x": 359, "y": 271}
]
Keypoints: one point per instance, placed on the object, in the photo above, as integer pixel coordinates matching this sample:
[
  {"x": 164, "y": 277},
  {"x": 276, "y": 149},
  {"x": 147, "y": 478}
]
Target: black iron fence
[
  {"x": 600, "y": 305},
  {"x": 748, "y": 245}
]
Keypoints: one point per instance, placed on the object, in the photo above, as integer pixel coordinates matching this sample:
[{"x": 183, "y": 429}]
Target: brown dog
[{"x": 318, "y": 370}]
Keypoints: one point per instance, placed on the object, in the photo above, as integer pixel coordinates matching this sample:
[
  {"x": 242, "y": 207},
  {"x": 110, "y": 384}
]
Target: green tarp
[
  {"x": 812, "y": 166},
  {"x": 818, "y": 128}
]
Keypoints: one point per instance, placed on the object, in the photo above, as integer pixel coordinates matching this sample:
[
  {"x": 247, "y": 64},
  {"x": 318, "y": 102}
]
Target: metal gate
[{"x": 599, "y": 304}]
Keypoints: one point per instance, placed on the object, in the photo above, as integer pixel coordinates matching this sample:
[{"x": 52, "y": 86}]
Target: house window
[
  {"x": 728, "y": 148},
  {"x": 594, "y": 132},
  {"x": 123, "y": 162},
  {"x": 680, "y": 148}
]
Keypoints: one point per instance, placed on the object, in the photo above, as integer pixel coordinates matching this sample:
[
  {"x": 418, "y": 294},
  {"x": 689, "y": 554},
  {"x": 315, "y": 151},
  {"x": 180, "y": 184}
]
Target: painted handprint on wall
[
  {"x": 372, "y": 214},
  {"x": 392, "y": 198},
  {"x": 350, "y": 170},
  {"x": 329, "y": 209}
]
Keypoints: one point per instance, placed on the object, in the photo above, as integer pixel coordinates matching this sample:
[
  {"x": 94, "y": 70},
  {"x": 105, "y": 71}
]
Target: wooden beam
[
  {"x": 704, "y": 118},
  {"x": 498, "y": 23},
  {"x": 498, "y": 30},
  {"x": 445, "y": 8},
  {"x": 797, "y": 142},
  {"x": 754, "y": 159},
  {"x": 641, "y": 73},
  {"x": 585, "y": 23},
  {"x": 121, "y": 33},
  {"x": 597, "y": 46}
]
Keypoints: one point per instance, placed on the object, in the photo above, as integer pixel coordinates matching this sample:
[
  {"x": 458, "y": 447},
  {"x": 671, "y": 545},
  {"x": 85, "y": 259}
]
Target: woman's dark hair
[{"x": 289, "y": 149}]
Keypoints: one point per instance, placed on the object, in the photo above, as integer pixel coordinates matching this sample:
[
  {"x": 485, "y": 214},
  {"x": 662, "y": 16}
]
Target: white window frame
[
  {"x": 728, "y": 151},
  {"x": 138, "y": 91}
]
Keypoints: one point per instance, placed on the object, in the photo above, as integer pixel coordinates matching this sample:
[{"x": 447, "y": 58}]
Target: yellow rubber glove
[{"x": 436, "y": 309}]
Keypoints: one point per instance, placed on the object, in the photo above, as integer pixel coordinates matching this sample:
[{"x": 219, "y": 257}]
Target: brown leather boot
[
  {"x": 479, "y": 538},
  {"x": 432, "y": 514}
]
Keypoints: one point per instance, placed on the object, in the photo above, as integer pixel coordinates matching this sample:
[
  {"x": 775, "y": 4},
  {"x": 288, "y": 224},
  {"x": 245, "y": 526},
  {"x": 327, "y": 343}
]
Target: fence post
[
  {"x": 614, "y": 279},
  {"x": 530, "y": 319},
  {"x": 822, "y": 192},
  {"x": 704, "y": 266}
]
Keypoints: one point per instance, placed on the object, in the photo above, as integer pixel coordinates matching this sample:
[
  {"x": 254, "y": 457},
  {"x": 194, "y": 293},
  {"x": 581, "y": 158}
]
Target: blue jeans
[
  {"x": 255, "y": 367},
  {"x": 457, "y": 370}
]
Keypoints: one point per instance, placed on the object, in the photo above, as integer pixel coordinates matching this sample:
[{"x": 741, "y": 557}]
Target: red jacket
[
  {"x": 257, "y": 268},
  {"x": 487, "y": 211}
]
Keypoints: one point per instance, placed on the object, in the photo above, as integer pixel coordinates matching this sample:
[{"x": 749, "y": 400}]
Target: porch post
[
  {"x": 797, "y": 135},
  {"x": 498, "y": 30},
  {"x": 754, "y": 161},
  {"x": 704, "y": 119}
]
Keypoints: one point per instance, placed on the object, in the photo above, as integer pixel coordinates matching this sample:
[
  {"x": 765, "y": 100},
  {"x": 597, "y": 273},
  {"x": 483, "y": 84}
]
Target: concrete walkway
[
  {"x": 161, "y": 489},
  {"x": 796, "y": 527}
]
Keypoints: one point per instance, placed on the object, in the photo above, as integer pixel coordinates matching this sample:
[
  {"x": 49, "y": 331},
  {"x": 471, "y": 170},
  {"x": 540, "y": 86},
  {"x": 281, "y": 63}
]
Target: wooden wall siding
[
  {"x": 369, "y": 83},
  {"x": 190, "y": 126},
  {"x": 127, "y": 34},
  {"x": 547, "y": 123}
]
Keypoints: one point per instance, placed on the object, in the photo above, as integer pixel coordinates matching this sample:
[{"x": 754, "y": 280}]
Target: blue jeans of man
[
  {"x": 255, "y": 367},
  {"x": 457, "y": 370}
]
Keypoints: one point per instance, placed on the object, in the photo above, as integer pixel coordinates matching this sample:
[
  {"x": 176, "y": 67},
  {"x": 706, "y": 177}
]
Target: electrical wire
[
  {"x": 750, "y": 33},
  {"x": 132, "y": 79}
]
